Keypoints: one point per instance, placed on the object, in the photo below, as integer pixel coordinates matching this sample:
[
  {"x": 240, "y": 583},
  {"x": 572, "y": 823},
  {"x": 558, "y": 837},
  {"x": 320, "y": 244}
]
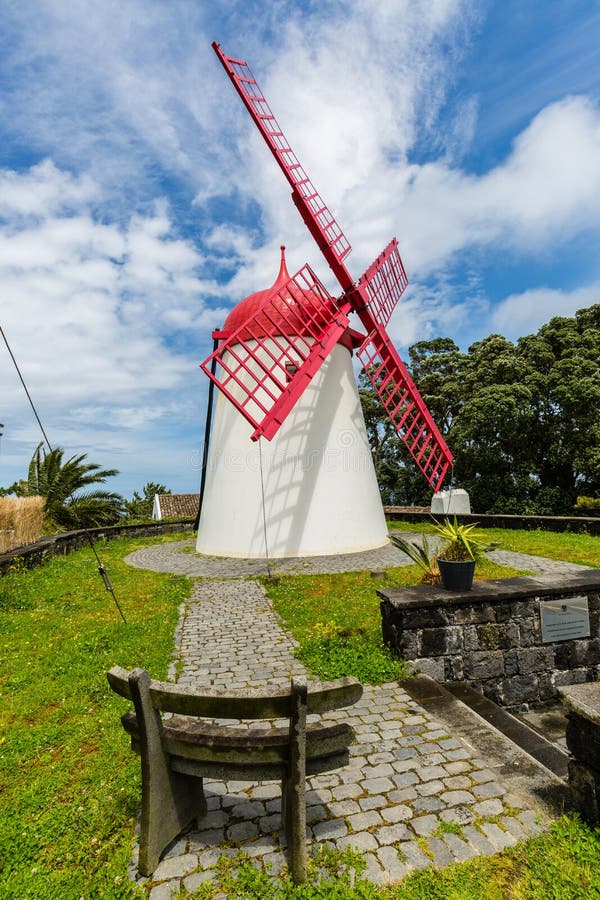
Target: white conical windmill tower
[{"x": 283, "y": 364}]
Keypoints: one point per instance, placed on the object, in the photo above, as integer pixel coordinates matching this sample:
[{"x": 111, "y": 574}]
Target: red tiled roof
[{"x": 178, "y": 506}]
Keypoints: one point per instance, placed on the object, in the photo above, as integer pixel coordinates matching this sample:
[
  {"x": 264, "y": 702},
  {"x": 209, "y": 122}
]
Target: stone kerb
[{"x": 491, "y": 636}]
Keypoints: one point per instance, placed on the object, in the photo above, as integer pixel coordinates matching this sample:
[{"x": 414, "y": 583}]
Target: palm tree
[{"x": 61, "y": 484}]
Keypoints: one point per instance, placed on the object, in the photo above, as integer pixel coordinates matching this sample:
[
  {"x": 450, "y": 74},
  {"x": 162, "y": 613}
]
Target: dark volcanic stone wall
[{"x": 491, "y": 636}]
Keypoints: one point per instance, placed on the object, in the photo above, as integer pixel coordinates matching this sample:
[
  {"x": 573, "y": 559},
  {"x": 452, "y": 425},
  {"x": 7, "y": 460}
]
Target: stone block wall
[
  {"x": 491, "y": 636},
  {"x": 65, "y": 542}
]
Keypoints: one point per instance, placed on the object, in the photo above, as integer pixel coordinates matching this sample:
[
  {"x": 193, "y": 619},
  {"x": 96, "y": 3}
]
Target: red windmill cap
[
  {"x": 286, "y": 297},
  {"x": 251, "y": 305}
]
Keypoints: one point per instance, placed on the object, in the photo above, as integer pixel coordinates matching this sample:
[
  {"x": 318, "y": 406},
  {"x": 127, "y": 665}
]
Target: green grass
[
  {"x": 69, "y": 784},
  {"x": 336, "y": 619},
  {"x": 583, "y": 549}
]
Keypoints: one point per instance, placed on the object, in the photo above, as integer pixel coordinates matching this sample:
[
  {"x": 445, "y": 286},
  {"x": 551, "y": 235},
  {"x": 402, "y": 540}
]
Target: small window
[{"x": 291, "y": 368}]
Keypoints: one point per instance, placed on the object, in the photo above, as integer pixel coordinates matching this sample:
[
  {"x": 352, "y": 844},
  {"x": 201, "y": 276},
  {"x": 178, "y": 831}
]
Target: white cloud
[
  {"x": 524, "y": 313},
  {"x": 108, "y": 322}
]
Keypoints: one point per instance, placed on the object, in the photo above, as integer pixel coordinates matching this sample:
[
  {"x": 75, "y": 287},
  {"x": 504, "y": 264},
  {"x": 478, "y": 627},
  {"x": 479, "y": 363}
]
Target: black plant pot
[{"x": 457, "y": 575}]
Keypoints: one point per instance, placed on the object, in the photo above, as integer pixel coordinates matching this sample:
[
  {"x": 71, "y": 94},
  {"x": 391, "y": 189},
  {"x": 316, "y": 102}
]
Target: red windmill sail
[{"x": 300, "y": 323}]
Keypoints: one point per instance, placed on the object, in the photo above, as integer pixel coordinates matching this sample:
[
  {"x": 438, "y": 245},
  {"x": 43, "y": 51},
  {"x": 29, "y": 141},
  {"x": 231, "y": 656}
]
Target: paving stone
[
  {"x": 248, "y": 810},
  {"x": 453, "y": 755},
  {"x": 405, "y": 779},
  {"x": 441, "y": 854},
  {"x": 391, "y": 834},
  {"x": 332, "y": 828},
  {"x": 430, "y": 788},
  {"x": 373, "y": 871},
  {"x": 261, "y": 846},
  {"x": 164, "y": 891},
  {"x": 514, "y": 827},
  {"x": 176, "y": 867},
  {"x": 460, "y": 850},
  {"x": 492, "y": 807},
  {"x": 413, "y": 856},
  {"x": 424, "y": 825},
  {"x": 373, "y": 802},
  {"x": 242, "y": 831},
  {"x": 376, "y": 785},
  {"x": 457, "y": 798},
  {"x": 344, "y": 807},
  {"x": 193, "y": 882},
  {"x": 478, "y": 840},
  {"x": 429, "y": 773},
  {"x": 362, "y": 821},
  {"x": 456, "y": 768},
  {"x": 345, "y": 791},
  {"x": 459, "y": 782},
  {"x": 489, "y": 789},
  {"x": 531, "y": 821},
  {"x": 496, "y": 836},
  {"x": 458, "y": 815},
  {"x": 479, "y": 776},
  {"x": 427, "y": 804},
  {"x": 390, "y": 861},
  {"x": 397, "y": 813},
  {"x": 198, "y": 840},
  {"x": 401, "y": 796},
  {"x": 362, "y": 840}
]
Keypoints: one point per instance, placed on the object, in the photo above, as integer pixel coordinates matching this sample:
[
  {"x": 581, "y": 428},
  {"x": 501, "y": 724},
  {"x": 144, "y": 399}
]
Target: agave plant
[
  {"x": 461, "y": 543},
  {"x": 421, "y": 555}
]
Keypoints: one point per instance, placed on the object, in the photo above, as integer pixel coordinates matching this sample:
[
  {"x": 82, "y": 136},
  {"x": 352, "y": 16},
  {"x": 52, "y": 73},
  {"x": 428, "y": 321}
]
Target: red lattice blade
[
  {"x": 384, "y": 282},
  {"x": 265, "y": 365},
  {"x": 405, "y": 407},
  {"x": 313, "y": 209}
]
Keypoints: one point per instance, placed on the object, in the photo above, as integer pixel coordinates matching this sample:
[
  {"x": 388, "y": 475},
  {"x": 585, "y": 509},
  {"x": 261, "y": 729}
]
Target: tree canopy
[
  {"x": 522, "y": 419},
  {"x": 65, "y": 486},
  {"x": 140, "y": 506}
]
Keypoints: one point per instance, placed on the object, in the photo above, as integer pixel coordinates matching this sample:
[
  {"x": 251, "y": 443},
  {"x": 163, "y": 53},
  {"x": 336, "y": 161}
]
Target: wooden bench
[{"x": 177, "y": 752}]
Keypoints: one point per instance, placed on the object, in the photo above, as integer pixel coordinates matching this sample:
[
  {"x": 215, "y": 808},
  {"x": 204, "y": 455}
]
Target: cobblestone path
[{"x": 408, "y": 778}]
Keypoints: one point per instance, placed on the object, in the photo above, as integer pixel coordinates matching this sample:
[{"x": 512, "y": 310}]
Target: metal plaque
[{"x": 564, "y": 620}]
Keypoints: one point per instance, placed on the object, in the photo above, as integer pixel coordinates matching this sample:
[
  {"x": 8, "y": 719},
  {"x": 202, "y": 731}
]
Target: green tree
[
  {"x": 522, "y": 419},
  {"x": 140, "y": 506},
  {"x": 65, "y": 484}
]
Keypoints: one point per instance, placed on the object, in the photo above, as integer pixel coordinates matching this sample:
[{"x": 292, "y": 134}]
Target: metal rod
[{"x": 207, "y": 429}]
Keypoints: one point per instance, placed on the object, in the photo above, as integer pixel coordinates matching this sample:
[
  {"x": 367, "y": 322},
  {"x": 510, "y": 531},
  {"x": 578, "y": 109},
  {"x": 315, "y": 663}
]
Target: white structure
[
  {"x": 451, "y": 502},
  {"x": 316, "y": 475}
]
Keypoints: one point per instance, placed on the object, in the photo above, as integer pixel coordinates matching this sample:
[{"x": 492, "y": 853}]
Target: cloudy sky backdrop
[{"x": 137, "y": 203}]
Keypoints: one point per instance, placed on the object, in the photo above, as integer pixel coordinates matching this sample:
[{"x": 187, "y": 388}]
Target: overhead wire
[{"x": 101, "y": 568}]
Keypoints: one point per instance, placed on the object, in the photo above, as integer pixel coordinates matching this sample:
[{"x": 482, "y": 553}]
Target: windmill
[{"x": 281, "y": 362}]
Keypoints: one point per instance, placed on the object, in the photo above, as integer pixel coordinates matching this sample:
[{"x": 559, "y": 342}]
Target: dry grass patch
[{"x": 21, "y": 521}]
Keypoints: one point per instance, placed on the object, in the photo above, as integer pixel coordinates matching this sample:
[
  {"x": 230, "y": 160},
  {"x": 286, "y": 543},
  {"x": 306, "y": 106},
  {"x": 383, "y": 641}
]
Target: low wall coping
[
  {"x": 583, "y": 699},
  {"x": 520, "y": 588}
]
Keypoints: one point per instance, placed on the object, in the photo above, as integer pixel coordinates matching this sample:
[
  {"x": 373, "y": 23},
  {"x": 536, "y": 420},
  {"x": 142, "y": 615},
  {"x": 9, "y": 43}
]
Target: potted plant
[{"x": 462, "y": 549}]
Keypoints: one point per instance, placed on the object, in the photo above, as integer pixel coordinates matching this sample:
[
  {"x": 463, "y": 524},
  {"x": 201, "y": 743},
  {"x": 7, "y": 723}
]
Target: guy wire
[
  {"x": 101, "y": 569},
  {"x": 264, "y": 512}
]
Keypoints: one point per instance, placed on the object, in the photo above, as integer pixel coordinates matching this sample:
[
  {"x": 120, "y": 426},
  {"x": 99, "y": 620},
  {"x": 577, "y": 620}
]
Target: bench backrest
[{"x": 264, "y": 703}]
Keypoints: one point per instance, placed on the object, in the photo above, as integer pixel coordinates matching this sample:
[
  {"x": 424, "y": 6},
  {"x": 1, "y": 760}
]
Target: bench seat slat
[
  {"x": 241, "y": 772},
  {"x": 266, "y": 703},
  {"x": 193, "y": 739}
]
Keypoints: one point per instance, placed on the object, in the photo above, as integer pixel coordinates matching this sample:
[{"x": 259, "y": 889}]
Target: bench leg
[
  {"x": 170, "y": 800},
  {"x": 293, "y": 797}
]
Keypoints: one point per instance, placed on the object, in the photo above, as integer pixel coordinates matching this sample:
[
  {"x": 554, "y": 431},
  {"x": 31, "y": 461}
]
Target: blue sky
[{"x": 137, "y": 204}]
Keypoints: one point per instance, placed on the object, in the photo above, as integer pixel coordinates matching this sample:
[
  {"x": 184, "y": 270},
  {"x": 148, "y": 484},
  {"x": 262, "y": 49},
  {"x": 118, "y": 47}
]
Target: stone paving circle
[{"x": 412, "y": 796}]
